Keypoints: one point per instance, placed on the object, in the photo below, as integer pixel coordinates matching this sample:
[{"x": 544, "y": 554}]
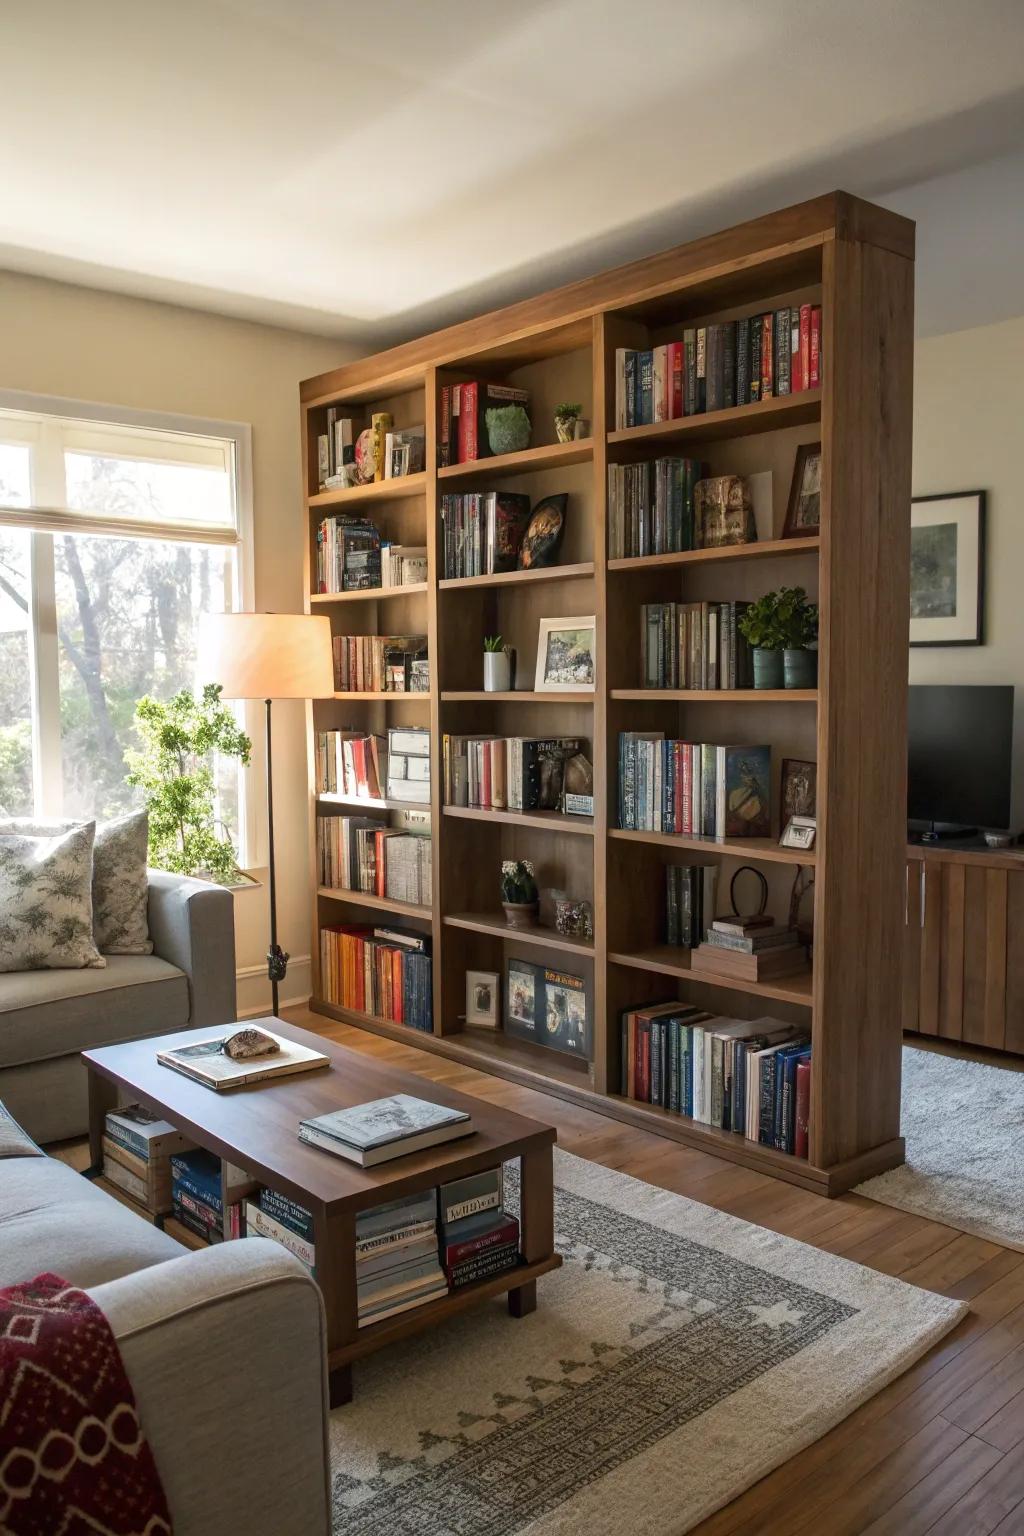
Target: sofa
[
  {"x": 48, "y": 1017},
  {"x": 225, "y": 1347}
]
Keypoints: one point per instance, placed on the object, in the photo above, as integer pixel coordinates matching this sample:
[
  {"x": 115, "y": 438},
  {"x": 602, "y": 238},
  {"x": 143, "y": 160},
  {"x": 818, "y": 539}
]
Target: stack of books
[
  {"x": 397, "y": 1265},
  {"x": 137, "y": 1149},
  {"x": 196, "y": 1199},
  {"x": 478, "y": 1237},
  {"x": 350, "y": 763},
  {"x": 651, "y": 507},
  {"x": 383, "y": 1129},
  {"x": 749, "y": 1076},
  {"x": 274, "y": 1216},
  {"x": 403, "y": 565},
  {"x": 714, "y": 367},
  {"x": 381, "y": 971},
  {"x": 462, "y": 429},
  {"x": 515, "y": 773},
  {"x": 381, "y": 664},
  {"x": 482, "y": 532},
  {"x": 335, "y": 448},
  {"x": 347, "y": 554},
  {"x": 750, "y": 948},
  {"x": 694, "y": 645},
  {"x": 356, "y": 853},
  {"x": 693, "y": 789},
  {"x": 690, "y": 891}
]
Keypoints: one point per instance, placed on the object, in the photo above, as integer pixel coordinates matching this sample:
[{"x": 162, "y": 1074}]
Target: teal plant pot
[
  {"x": 800, "y": 668},
  {"x": 767, "y": 668}
]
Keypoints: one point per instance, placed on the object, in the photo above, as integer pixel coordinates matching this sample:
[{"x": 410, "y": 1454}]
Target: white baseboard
[{"x": 254, "y": 988}]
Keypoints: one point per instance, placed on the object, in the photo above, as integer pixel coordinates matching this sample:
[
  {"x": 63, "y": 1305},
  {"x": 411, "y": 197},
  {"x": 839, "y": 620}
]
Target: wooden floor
[{"x": 942, "y": 1449}]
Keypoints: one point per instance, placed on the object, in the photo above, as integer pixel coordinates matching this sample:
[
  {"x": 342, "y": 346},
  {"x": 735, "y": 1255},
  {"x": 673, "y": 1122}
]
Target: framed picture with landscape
[
  {"x": 803, "y": 515},
  {"x": 947, "y": 569},
  {"x": 565, "y": 656}
]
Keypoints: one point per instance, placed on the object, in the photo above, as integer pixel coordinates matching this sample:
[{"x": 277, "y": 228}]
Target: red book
[
  {"x": 643, "y": 1055},
  {"x": 468, "y": 447},
  {"x": 805, "y": 345},
  {"x": 796, "y": 372},
  {"x": 675, "y": 377},
  {"x": 396, "y": 984},
  {"x": 803, "y": 1106},
  {"x": 457, "y": 1253},
  {"x": 359, "y": 759},
  {"x": 767, "y": 356},
  {"x": 814, "y": 365}
]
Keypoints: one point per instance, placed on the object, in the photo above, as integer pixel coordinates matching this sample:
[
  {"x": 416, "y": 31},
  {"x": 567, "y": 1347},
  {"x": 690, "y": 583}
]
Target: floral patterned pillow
[
  {"x": 46, "y": 901},
  {"x": 120, "y": 883}
]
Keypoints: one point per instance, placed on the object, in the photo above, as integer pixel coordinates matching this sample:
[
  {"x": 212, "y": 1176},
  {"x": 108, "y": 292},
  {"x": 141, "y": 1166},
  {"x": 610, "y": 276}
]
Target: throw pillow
[
  {"x": 46, "y": 902},
  {"x": 120, "y": 883}
]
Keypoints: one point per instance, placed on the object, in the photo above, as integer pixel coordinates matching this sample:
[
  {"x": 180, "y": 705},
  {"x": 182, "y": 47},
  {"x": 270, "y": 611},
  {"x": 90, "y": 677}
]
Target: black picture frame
[{"x": 977, "y": 607}]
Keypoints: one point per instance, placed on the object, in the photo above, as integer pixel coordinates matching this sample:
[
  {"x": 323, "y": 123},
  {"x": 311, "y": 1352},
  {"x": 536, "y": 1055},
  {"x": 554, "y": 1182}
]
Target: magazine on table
[{"x": 207, "y": 1061}]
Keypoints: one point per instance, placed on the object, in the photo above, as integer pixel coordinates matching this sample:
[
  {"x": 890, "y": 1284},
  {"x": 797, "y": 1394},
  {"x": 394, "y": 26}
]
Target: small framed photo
[
  {"x": 803, "y": 515},
  {"x": 799, "y": 788},
  {"x": 800, "y": 833},
  {"x": 947, "y": 569},
  {"x": 483, "y": 992},
  {"x": 565, "y": 656}
]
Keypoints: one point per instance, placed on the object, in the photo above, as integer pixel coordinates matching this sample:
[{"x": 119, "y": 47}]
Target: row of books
[
  {"x": 362, "y": 766},
  {"x": 402, "y": 565},
  {"x": 381, "y": 971},
  {"x": 714, "y": 367},
  {"x": 381, "y": 664},
  {"x": 197, "y": 1197},
  {"x": 482, "y": 531},
  {"x": 462, "y": 428},
  {"x": 515, "y": 773},
  {"x": 694, "y": 645},
  {"x": 652, "y": 507},
  {"x": 137, "y": 1150},
  {"x": 690, "y": 894},
  {"x": 749, "y": 1076},
  {"x": 382, "y": 452},
  {"x": 347, "y": 554},
  {"x": 693, "y": 789},
  {"x": 356, "y": 853}
]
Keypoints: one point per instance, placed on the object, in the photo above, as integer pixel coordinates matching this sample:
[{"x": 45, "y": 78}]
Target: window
[{"x": 115, "y": 536}]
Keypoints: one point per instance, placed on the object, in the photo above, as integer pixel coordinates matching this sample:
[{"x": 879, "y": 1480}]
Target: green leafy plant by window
[
  {"x": 782, "y": 620},
  {"x": 174, "y": 769}
]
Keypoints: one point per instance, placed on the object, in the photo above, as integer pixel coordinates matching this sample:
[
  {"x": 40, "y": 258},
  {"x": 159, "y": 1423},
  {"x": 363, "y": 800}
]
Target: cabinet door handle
[{"x": 924, "y": 893}]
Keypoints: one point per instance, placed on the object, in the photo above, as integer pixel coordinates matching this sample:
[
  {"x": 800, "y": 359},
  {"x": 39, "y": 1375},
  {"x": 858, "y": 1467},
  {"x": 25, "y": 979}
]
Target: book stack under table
[{"x": 137, "y": 1150}]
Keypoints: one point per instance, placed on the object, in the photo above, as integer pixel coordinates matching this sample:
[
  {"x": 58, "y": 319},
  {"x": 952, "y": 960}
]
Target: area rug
[
  {"x": 964, "y": 1128},
  {"x": 677, "y": 1356}
]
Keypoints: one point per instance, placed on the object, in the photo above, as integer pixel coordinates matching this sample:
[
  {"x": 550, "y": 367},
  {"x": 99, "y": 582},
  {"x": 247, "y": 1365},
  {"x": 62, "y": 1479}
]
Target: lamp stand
[{"x": 277, "y": 958}]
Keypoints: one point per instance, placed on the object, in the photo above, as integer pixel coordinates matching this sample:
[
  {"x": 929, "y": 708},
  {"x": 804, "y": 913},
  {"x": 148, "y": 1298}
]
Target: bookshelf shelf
[
  {"x": 746, "y": 848},
  {"x": 664, "y": 960},
  {"x": 551, "y": 821},
  {"x": 375, "y": 491},
  {"x": 501, "y": 465},
  {"x": 854, "y": 262},
  {"x": 370, "y": 594},
  {"x": 393, "y": 696},
  {"x": 730, "y": 553},
  {"x": 361, "y": 803},
  {"x": 717, "y": 695},
  {"x": 578, "y": 572},
  {"x": 494, "y": 924},
  {"x": 378, "y": 903},
  {"x": 738, "y": 421}
]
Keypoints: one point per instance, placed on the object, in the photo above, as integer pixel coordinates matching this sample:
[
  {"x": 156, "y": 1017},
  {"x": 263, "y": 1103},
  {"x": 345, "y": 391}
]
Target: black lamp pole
[{"x": 277, "y": 958}]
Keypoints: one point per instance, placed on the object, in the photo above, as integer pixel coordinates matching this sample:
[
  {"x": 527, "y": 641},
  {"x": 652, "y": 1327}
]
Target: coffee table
[{"x": 255, "y": 1128}]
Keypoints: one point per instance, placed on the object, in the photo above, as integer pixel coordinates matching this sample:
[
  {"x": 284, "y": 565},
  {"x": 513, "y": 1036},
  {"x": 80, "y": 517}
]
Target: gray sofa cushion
[
  {"x": 14, "y": 1142},
  {"x": 53, "y": 1219},
  {"x": 54, "y": 1013}
]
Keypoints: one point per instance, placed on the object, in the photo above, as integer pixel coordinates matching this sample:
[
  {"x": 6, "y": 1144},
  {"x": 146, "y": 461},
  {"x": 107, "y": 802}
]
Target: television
[{"x": 959, "y": 758}]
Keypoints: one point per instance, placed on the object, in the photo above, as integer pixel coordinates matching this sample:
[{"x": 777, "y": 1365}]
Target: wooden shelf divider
[{"x": 856, "y": 261}]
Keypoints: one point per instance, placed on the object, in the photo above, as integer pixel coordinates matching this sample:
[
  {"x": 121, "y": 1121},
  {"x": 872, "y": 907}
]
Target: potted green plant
[
  {"x": 780, "y": 628},
  {"x": 519, "y": 895},
  {"x": 497, "y": 667},
  {"x": 566, "y": 417}
]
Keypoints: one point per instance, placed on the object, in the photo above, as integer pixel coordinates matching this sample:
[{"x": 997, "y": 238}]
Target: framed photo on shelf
[
  {"x": 947, "y": 569},
  {"x": 565, "y": 656},
  {"x": 548, "y": 1007},
  {"x": 483, "y": 991},
  {"x": 798, "y": 787},
  {"x": 800, "y": 833},
  {"x": 803, "y": 515}
]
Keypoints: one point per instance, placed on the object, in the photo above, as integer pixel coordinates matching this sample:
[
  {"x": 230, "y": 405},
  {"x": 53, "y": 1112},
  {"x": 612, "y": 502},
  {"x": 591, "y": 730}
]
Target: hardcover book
[
  {"x": 383, "y": 1129},
  {"x": 208, "y": 1063}
]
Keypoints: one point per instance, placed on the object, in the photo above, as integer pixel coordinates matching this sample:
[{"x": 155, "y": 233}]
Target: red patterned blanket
[{"x": 73, "y": 1458}]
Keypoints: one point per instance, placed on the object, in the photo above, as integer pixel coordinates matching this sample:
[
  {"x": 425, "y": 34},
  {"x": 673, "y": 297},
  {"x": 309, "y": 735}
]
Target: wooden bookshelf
[{"x": 856, "y": 261}]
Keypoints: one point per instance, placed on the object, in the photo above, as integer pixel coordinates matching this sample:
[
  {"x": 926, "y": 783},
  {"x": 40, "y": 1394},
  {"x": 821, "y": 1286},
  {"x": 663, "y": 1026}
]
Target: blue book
[
  {"x": 686, "y": 1070},
  {"x": 290, "y": 1215},
  {"x": 645, "y": 388},
  {"x": 198, "y": 1173}
]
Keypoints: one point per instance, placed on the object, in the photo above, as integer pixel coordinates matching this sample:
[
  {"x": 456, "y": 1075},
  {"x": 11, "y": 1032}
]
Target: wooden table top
[{"x": 256, "y": 1127}]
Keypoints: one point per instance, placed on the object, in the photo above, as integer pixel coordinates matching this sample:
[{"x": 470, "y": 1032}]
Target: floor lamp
[{"x": 268, "y": 656}]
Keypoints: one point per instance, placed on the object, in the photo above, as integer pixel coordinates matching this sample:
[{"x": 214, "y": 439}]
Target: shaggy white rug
[
  {"x": 678, "y": 1356},
  {"x": 964, "y": 1127}
]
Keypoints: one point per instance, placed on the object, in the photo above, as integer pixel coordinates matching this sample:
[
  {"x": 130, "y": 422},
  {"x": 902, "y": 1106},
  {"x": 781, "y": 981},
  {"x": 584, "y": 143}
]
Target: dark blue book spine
[
  {"x": 199, "y": 1186},
  {"x": 739, "y": 1097},
  {"x": 287, "y": 1213},
  {"x": 766, "y": 1130},
  {"x": 645, "y": 413},
  {"x": 686, "y": 1070},
  {"x": 673, "y": 1065},
  {"x": 630, "y": 389}
]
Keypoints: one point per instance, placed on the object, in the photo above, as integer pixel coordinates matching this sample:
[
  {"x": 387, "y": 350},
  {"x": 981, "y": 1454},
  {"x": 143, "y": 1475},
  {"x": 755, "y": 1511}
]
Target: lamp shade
[{"x": 267, "y": 655}]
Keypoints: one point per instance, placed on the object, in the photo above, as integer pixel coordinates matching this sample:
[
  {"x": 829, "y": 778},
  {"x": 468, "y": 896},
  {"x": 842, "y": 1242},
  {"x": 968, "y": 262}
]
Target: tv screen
[{"x": 960, "y": 755}]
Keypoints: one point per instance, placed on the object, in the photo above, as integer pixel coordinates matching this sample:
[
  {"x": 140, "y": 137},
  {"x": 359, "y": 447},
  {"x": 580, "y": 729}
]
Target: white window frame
[{"x": 49, "y": 516}]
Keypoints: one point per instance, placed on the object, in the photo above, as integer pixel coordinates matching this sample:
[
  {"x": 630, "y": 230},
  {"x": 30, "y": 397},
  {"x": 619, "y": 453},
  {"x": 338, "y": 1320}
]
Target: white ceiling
[{"x": 370, "y": 171}]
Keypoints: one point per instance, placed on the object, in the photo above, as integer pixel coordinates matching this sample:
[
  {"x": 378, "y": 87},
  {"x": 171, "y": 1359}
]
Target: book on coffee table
[
  {"x": 376, "y": 1132},
  {"x": 209, "y": 1063}
]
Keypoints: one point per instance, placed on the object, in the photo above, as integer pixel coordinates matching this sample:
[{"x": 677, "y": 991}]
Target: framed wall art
[{"x": 947, "y": 569}]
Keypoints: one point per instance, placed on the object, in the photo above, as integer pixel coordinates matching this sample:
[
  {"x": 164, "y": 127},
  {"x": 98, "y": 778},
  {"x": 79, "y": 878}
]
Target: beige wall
[
  {"x": 63, "y": 340},
  {"x": 968, "y": 415}
]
